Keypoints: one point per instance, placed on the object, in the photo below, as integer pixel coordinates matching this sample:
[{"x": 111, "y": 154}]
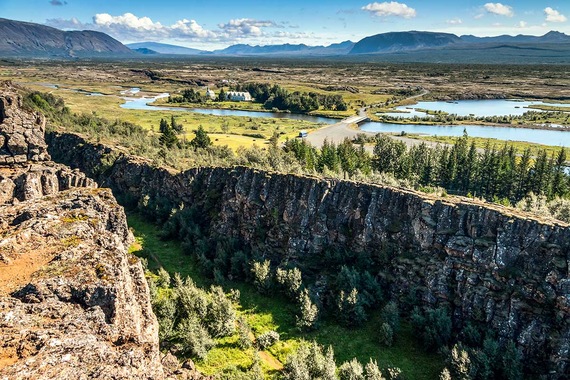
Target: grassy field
[
  {"x": 265, "y": 313},
  {"x": 226, "y": 130}
]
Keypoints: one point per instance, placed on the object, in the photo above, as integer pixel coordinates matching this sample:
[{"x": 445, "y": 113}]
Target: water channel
[{"x": 487, "y": 108}]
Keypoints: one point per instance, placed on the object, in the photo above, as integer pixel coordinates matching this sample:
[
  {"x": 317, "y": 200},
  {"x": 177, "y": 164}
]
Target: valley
[{"x": 392, "y": 253}]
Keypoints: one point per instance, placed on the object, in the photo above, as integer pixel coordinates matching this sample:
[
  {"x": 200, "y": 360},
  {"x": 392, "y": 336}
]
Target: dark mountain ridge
[{"x": 25, "y": 39}]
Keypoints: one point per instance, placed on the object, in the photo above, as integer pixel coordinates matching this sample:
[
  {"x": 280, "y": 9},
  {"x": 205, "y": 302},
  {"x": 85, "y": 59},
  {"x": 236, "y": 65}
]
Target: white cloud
[
  {"x": 522, "y": 24},
  {"x": 129, "y": 27},
  {"x": 61, "y": 23},
  {"x": 190, "y": 28},
  {"x": 392, "y": 8},
  {"x": 552, "y": 15},
  {"x": 244, "y": 27},
  {"x": 499, "y": 9},
  {"x": 455, "y": 21},
  {"x": 127, "y": 21}
]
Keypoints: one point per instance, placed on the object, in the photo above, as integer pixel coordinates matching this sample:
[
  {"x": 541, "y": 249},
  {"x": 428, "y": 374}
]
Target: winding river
[{"x": 486, "y": 108}]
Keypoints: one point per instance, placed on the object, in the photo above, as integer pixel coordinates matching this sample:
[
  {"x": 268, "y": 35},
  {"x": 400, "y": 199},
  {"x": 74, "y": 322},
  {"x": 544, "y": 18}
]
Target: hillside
[
  {"x": 288, "y": 49},
  {"x": 24, "y": 39},
  {"x": 163, "y": 48},
  {"x": 401, "y": 41}
]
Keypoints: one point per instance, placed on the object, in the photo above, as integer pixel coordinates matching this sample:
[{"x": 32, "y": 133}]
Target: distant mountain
[
  {"x": 25, "y": 39},
  {"x": 550, "y": 37},
  {"x": 164, "y": 48},
  {"x": 402, "y": 41},
  {"x": 288, "y": 49},
  {"x": 145, "y": 51}
]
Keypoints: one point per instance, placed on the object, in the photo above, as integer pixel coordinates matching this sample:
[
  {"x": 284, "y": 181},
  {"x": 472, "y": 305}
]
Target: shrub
[
  {"x": 261, "y": 272},
  {"x": 386, "y": 335},
  {"x": 372, "y": 372},
  {"x": 391, "y": 315},
  {"x": 351, "y": 370},
  {"x": 308, "y": 312},
  {"x": 267, "y": 339},
  {"x": 434, "y": 327}
]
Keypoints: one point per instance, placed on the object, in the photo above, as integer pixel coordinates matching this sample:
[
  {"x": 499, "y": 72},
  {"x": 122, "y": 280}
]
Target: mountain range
[{"x": 24, "y": 39}]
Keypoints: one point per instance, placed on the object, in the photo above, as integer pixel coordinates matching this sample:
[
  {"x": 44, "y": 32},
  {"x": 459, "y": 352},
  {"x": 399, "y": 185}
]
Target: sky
[{"x": 216, "y": 24}]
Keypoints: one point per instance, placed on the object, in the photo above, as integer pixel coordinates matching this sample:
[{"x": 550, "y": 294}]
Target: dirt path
[
  {"x": 270, "y": 360},
  {"x": 18, "y": 272}
]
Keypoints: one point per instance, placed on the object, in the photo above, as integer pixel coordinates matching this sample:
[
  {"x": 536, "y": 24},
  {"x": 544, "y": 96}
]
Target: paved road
[
  {"x": 334, "y": 133},
  {"x": 338, "y": 132}
]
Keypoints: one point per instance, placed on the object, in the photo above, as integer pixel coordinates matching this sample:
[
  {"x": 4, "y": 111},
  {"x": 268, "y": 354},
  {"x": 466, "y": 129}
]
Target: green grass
[
  {"x": 232, "y": 127},
  {"x": 275, "y": 312}
]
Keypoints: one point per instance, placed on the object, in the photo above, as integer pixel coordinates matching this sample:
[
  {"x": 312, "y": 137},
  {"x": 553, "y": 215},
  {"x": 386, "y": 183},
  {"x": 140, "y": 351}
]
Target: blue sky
[{"x": 217, "y": 24}]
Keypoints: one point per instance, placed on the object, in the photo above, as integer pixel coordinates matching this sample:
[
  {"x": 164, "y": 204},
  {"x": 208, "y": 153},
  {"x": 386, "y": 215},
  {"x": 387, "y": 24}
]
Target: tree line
[
  {"x": 275, "y": 96},
  {"x": 496, "y": 173}
]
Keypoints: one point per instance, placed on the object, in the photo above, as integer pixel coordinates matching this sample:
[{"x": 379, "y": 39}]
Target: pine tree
[
  {"x": 512, "y": 366},
  {"x": 167, "y": 136},
  {"x": 460, "y": 364},
  {"x": 372, "y": 372},
  {"x": 351, "y": 370},
  {"x": 222, "y": 95},
  {"x": 308, "y": 312},
  {"x": 559, "y": 187},
  {"x": 201, "y": 140}
]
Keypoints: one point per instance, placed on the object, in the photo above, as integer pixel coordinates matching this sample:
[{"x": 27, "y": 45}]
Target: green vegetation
[
  {"x": 262, "y": 314},
  {"x": 276, "y": 97},
  {"x": 272, "y": 97},
  {"x": 482, "y": 142},
  {"x": 499, "y": 174}
]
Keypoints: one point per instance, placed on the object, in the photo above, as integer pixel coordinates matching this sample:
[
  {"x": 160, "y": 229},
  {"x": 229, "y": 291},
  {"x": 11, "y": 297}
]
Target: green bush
[{"x": 267, "y": 339}]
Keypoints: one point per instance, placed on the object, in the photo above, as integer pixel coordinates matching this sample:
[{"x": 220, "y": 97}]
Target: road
[{"x": 338, "y": 132}]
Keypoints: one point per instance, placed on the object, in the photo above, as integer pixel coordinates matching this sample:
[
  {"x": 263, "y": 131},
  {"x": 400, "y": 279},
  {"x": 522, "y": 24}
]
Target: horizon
[{"x": 220, "y": 25}]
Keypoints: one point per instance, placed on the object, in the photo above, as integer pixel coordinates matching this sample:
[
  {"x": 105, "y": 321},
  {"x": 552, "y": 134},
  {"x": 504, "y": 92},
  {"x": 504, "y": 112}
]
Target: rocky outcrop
[
  {"x": 74, "y": 304},
  {"x": 21, "y": 133},
  {"x": 81, "y": 308},
  {"x": 506, "y": 271}
]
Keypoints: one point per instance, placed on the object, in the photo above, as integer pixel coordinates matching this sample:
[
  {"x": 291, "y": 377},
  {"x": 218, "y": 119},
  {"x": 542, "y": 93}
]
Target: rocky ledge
[{"x": 74, "y": 304}]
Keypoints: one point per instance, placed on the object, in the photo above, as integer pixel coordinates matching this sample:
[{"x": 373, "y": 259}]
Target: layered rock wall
[
  {"x": 74, "y": 304},
  {"x": 508, "y": 272}
]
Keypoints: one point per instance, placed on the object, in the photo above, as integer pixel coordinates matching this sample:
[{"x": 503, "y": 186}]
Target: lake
[
  {"x": 478, "y": 108},
  {"x": 546, "y": 137}
]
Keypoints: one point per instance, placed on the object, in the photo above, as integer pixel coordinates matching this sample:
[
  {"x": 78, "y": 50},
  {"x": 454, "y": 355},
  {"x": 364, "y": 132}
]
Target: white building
[
  {"x": 238, "y": 96},
  {"x": 210, "y": 94}
]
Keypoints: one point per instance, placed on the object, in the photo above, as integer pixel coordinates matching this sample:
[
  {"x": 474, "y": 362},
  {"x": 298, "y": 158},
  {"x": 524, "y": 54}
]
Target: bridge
[{"x": 355, "y": 120}]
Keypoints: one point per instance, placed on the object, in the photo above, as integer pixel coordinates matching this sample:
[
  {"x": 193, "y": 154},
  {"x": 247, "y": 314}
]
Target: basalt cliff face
[
  {"x": 506, "y": 272},
  {"x": 73, "y": 303}
]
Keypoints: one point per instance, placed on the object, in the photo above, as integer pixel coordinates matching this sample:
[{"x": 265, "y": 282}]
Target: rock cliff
[
  {"x": 73, "y": 303},
  {"x": 508, "y": 272}
]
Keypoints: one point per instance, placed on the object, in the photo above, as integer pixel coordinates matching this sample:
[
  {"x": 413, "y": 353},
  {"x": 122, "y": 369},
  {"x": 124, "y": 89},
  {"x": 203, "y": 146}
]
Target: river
[{"x": 540, "y": 136}]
